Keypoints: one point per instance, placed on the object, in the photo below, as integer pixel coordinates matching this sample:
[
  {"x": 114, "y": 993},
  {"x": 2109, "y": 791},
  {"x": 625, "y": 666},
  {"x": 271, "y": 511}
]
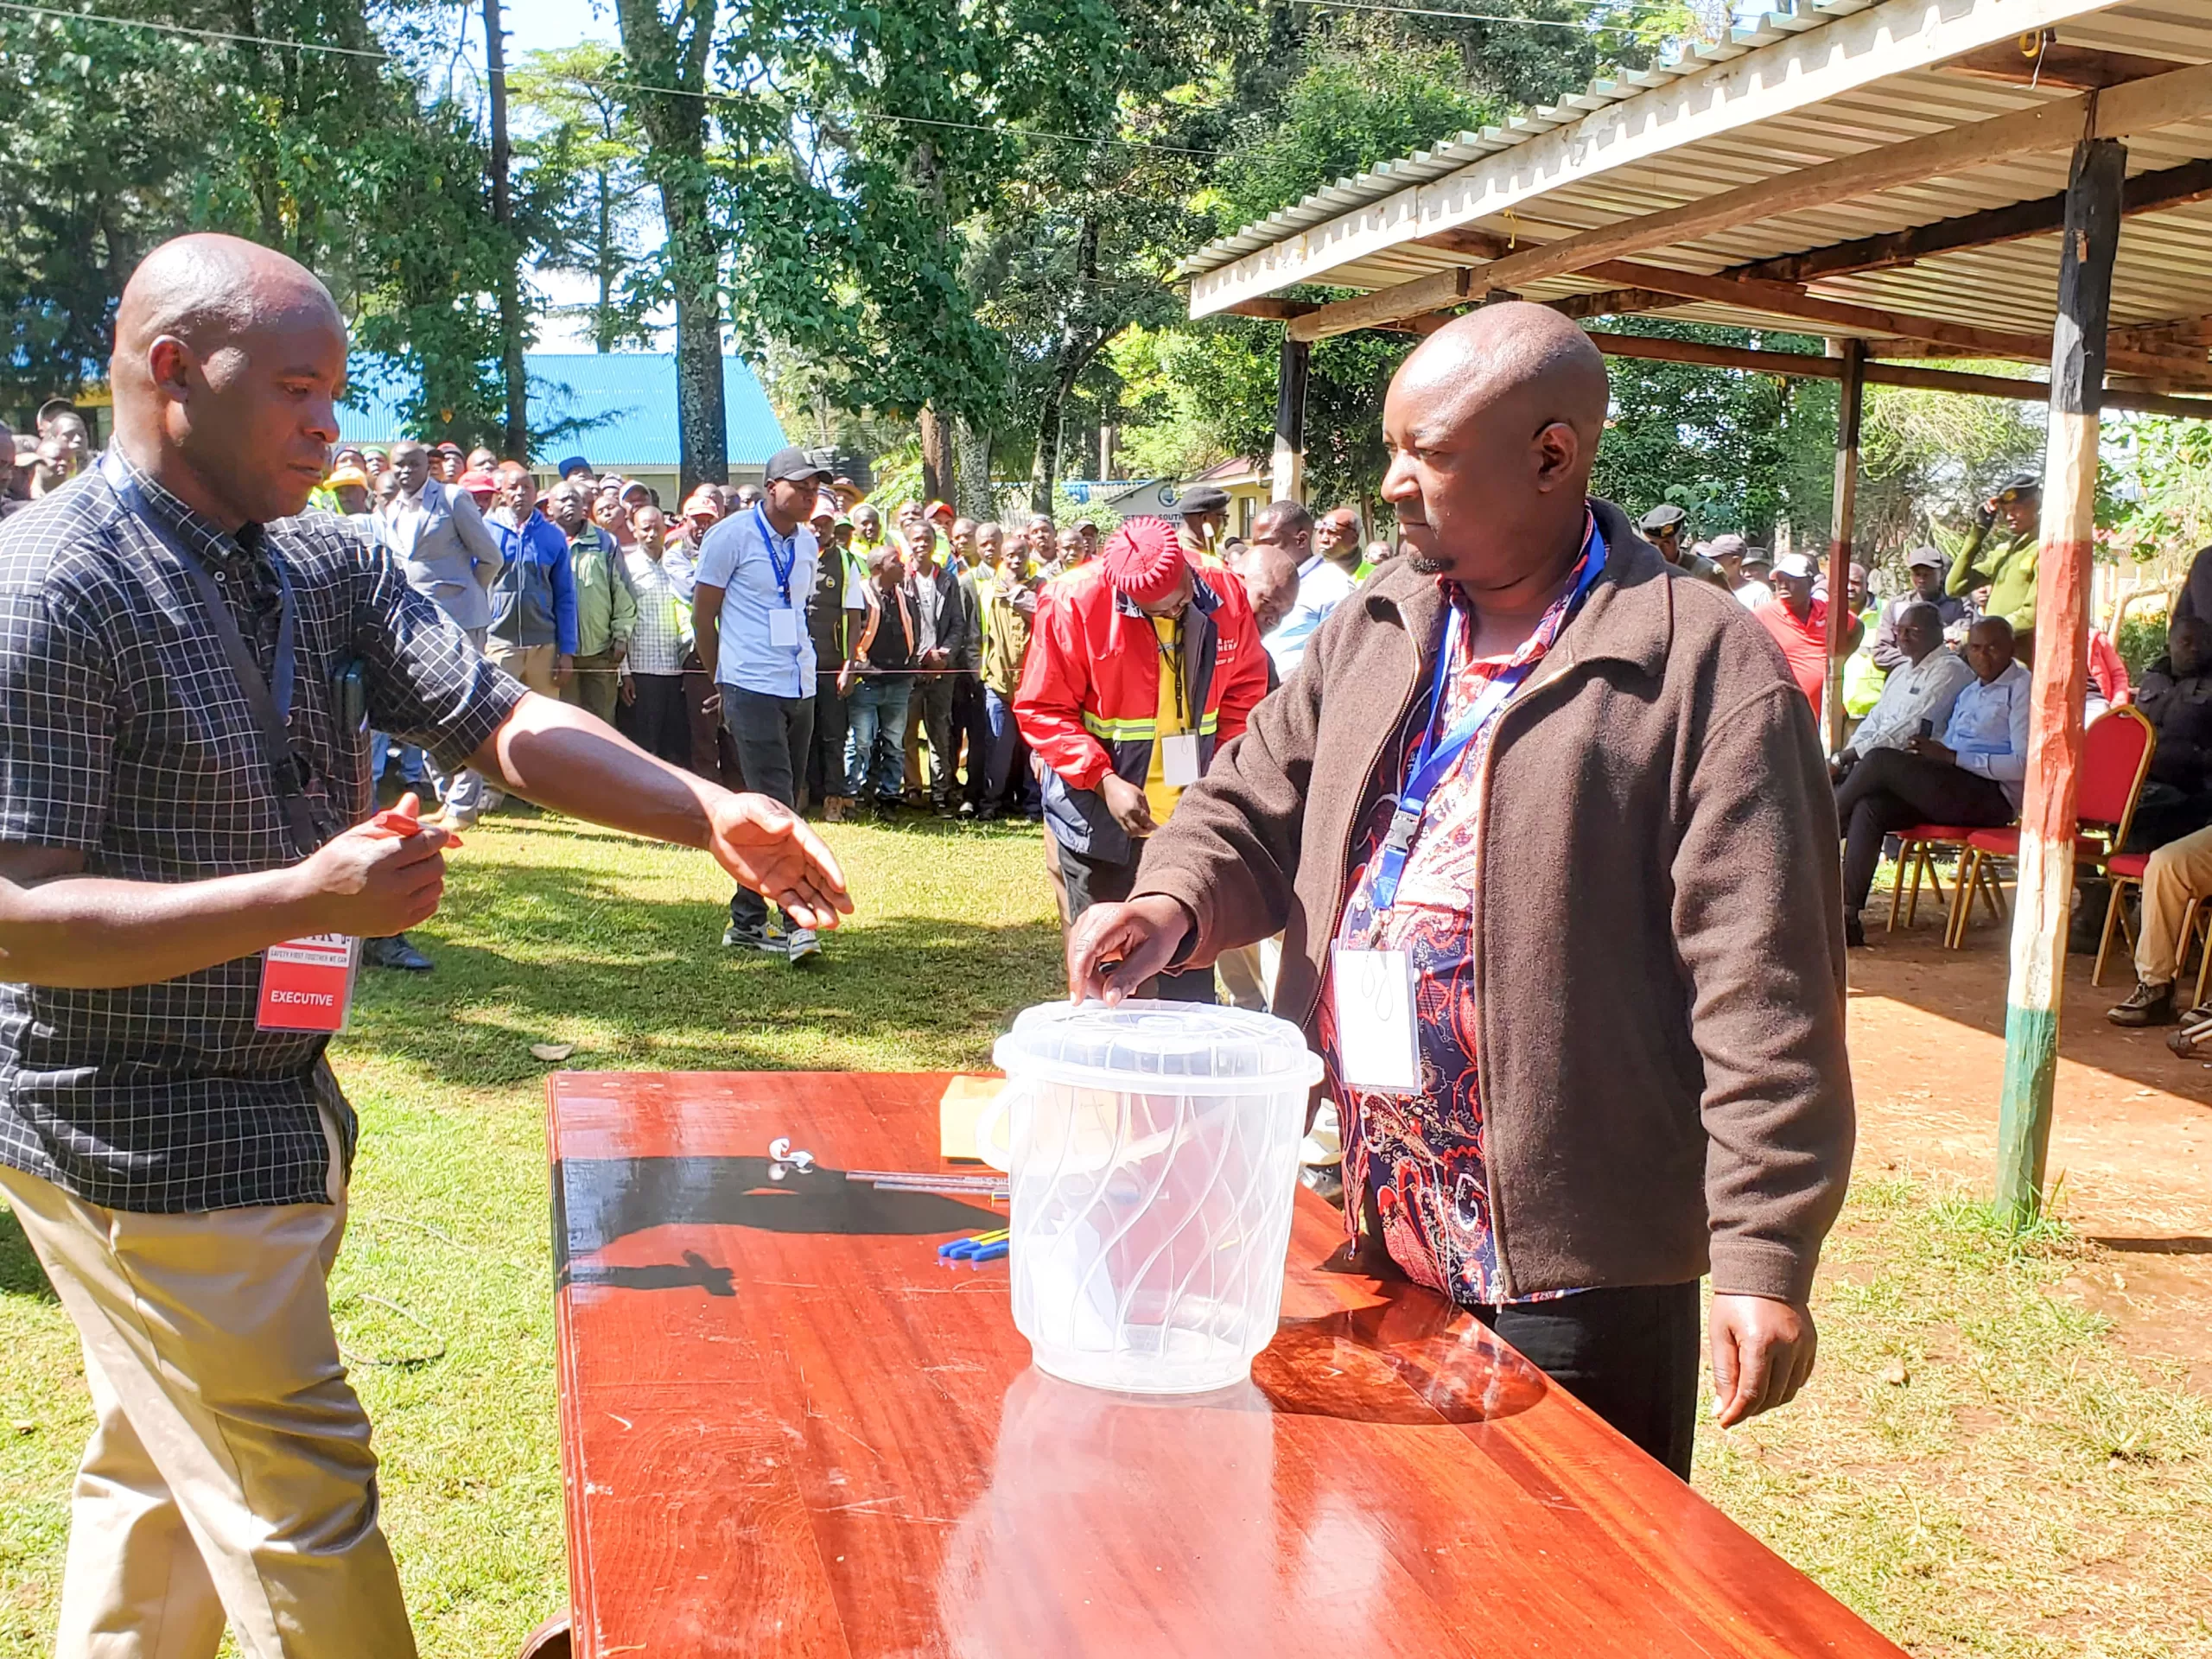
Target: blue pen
[{"x": 991, "y": 1252}]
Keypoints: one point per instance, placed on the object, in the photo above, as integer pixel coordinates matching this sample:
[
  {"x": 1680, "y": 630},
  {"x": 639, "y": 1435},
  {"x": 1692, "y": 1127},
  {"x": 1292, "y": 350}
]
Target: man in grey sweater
[{"x": 1536, "y": 798}]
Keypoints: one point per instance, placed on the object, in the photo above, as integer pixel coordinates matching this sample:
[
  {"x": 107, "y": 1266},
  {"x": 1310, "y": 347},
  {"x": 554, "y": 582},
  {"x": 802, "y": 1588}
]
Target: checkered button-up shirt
[{"x": 124, "y": 736}]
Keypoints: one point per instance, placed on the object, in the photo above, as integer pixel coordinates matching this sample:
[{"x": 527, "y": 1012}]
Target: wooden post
[
  {"x": 1853, "y": 387},
  {"x": 2047, "y": 821},
  {"x": 1287, "y": 480}
]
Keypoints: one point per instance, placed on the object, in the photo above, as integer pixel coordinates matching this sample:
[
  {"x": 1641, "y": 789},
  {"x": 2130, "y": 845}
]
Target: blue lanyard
[
  {"x": 1433, "y": 759},
  {"x": 790, "y": 554}
]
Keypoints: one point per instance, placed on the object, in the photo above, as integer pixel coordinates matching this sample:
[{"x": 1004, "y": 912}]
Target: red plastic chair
[
  {"x": 2116, "y": 755},
  {"x": 1917, "y": 856}
]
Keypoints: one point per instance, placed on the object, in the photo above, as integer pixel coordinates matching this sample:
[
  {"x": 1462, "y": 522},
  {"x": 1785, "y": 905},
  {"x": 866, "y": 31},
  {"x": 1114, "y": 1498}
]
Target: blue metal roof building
[{"x": 630, "y": 397}]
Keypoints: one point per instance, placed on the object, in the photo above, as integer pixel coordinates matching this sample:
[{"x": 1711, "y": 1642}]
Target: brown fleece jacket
[{"x": 1659, "y": 937}]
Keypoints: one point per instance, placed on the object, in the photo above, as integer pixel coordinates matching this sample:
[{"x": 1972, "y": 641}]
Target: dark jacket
[
  {"x": 952, "y": 602},
  {"x": 1659, "y": 943}
]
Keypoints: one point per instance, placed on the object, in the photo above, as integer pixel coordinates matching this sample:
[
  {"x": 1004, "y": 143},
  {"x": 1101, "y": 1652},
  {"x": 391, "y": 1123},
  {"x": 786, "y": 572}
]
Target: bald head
[
  {"x": 208, "y": 290},
  {"x": 228, "y": 359},
  {"x": 1492, "y": 425},
  {"x": 1270, "y": 577},
  {"x": 1511, "y": 353}
]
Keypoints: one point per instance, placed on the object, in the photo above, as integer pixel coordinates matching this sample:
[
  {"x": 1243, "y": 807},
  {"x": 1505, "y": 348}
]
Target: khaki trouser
[
  {"x": 531, "y": 665},
  {"x": 229, "y": 1476},
  {"x": 2179, "y": 871},
  {"x": 1247, "y": 974},
  {"x": 596, "y": 684}
]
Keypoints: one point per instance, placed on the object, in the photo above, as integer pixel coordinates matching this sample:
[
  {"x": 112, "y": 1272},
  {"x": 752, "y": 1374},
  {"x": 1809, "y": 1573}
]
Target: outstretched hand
[{"x": 769, "y": 849}]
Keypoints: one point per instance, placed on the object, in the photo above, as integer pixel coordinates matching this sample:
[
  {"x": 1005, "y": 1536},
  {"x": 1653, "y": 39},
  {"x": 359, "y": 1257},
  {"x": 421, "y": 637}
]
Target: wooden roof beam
[
  {"x": 2146, "y": 193},
  {"x": 2074, "y": 68},
  {"x": 1805, "y": 366},
  {"x": 2158, "y": 100}
]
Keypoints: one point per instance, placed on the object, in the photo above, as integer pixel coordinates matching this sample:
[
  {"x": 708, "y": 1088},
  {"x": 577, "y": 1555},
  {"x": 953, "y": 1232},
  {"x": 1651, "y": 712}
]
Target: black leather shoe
[
  {"x": 1854, "y": 932},
  {"x": 2146, "y": 1005},
  {"x": 395, "y": 952}
]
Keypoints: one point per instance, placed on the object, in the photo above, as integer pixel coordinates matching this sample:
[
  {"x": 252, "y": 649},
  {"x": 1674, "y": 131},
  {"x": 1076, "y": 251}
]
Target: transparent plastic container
[{"x": 1152, "y": 1149}]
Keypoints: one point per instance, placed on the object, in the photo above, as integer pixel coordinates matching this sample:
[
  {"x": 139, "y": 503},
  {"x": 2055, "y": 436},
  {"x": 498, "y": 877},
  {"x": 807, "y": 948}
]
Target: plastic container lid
[{"x": 1176, "y": 1047}]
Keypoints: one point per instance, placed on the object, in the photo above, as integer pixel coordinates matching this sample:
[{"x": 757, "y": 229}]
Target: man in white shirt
[
  {"x": 756, "y": 572},
  {"x": 1323, "y": 584},
  {"x": 1920, "y": 691},
  {"x": 1973, "y": 776},
  {"x": 652, "y": 713}
]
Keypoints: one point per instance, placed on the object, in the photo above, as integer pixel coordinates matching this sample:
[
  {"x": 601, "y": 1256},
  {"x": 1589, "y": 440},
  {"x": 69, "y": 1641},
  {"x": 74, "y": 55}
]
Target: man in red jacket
[{"x": 1139, "y": 665}]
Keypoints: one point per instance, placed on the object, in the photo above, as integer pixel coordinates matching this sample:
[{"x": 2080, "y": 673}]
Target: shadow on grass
[
  {"x": 530, "y": 953},
  {"x": 20, "y": 1273}
]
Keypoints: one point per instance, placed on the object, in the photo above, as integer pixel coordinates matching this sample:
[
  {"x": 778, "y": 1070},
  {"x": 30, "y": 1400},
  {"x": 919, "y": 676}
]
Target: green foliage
[
  {"x": 1358, "y": 103},
  {"x": 1927, "y": 458},
  {"x": 1746, "y": 450},
  {"x": 2161, "y": 511},
  {"x": 2142, "y": 639},
  {"x": 113, "y": 139},
  {"x": 582, "y": 153}
]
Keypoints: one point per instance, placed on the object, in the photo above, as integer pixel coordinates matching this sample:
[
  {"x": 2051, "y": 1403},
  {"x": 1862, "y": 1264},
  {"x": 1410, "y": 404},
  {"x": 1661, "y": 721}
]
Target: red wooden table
[{"x": 787, "y": 1428}]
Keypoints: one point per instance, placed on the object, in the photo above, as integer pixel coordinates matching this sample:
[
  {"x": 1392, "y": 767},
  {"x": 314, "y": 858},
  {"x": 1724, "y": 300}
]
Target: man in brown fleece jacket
[{"x": 1531, "y": 797}]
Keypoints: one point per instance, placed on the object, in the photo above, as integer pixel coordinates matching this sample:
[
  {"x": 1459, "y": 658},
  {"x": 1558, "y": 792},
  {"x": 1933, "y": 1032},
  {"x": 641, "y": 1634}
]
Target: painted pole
[
  {"x": 2063, "y": 563},
  {"x": 1840, "y": 527},
  {"x": 1286, "y": 479}
]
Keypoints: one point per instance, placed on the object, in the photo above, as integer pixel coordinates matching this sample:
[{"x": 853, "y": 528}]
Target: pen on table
[{"x": 960, "y": 1249}]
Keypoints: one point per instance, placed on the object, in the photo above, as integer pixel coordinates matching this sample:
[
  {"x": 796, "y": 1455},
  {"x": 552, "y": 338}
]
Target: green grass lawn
[{"x": 1974, "y": 1468}]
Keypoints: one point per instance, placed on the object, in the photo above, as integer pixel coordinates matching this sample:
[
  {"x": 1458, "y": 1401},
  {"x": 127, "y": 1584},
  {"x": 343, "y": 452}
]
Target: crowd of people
[
  {"x": 848, "y": 658},
  {"x": 1936, "y": 699}
]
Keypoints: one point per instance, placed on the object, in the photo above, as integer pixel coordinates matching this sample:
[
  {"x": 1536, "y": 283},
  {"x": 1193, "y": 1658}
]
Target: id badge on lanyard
[
  {"x": 1378, "y": 1037},
  {"x": 1378, "y": 1041},
  {"x": 782, "y": 623},
  {"x": 307, "y": 984}
]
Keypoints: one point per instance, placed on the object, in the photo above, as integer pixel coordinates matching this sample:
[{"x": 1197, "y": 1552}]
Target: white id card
[
  {"x": 1179, "y": 760},
  {"x": 1378, "y": 1047},
  {"x": 783, "y": 627}
]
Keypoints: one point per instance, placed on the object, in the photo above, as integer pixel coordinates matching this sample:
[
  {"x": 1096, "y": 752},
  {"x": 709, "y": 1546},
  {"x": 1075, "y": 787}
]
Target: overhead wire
[{"x": 64, "y": 14}]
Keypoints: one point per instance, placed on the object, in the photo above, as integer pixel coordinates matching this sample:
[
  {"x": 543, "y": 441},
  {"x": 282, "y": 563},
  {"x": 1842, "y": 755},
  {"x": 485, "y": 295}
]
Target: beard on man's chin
[{"x": 1428, "y": 566}]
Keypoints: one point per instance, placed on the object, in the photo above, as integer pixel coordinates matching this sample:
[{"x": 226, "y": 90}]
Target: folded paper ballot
[{"x": 963, "y": 1103}]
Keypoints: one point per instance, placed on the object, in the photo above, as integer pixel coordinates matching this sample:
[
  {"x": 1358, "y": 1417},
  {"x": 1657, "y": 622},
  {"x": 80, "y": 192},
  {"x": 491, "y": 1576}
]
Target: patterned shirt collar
[{"x": 245, "y": 551}]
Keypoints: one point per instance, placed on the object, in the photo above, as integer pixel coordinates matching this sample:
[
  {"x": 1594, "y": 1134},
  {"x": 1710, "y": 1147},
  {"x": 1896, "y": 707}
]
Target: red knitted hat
[{"x": 1145, "y": 560}]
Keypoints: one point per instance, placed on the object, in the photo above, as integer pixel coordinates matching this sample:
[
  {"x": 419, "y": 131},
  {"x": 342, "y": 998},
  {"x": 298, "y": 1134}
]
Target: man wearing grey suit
[{"x": 451, "y": 557}]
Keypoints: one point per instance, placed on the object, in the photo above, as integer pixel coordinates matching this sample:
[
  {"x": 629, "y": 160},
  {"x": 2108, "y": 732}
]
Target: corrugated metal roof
[
  {"x": 630, "y": 396},
  {"x": 1661, "y": 139}
]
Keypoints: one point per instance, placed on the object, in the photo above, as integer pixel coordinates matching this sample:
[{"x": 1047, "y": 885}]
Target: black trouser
[
  {"x": 931, "y": 709},
  {"x": 1091, "y": 881},
  {"x": 657, "y": 719},
  {"x": 1630, "y": 1354},
  {"x": 774, "y": 735},
  {"x": 971, "y": 720},
  {"x": 1891, "y": 790},
  {"x": 825, "y": 765}
]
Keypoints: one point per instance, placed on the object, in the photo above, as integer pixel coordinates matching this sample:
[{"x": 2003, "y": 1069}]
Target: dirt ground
[{"x": 2129, "y": 1139}]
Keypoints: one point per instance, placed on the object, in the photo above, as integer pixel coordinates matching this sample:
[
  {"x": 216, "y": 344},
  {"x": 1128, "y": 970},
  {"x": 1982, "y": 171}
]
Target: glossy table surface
[{"x": 788, "y": 1429}]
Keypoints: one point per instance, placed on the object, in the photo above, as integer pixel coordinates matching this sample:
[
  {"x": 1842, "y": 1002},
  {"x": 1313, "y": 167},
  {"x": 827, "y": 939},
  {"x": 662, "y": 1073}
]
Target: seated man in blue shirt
[
  {"x": 1973, "y": 776},
  {"x": 1323, "y": 583}
]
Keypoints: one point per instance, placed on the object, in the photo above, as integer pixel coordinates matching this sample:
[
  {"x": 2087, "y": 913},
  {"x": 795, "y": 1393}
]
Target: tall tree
[
  {"x": 585, "y": 155},
  {"x": 667, "y": 46},
  {"x": 516, "y": 446}
]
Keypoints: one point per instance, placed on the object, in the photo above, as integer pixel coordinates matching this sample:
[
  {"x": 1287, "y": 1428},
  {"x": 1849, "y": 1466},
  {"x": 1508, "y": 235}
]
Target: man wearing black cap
[
  {"x": 1665, "y": 526},
  {"x": 1205, "y": 511},
  {"x": 1924, "y": 565},
  {"x": 757, "y": 571},
  {"x": 2001, "y": 553}
]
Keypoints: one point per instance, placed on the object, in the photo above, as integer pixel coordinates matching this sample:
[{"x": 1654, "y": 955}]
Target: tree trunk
[
  {"x": 659, "y": 54},
  {"x": 515, "y": 440},
  {"x": 603, "y": 320},
  {"x": 939, "y": 472},
  {"x": 971, "y": 448},
  {"x": 702, "y": 427}
]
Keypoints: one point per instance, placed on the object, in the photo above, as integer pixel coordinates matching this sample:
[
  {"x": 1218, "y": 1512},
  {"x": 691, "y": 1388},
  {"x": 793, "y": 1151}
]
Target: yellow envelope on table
[{"x": 963, "y": 1104}]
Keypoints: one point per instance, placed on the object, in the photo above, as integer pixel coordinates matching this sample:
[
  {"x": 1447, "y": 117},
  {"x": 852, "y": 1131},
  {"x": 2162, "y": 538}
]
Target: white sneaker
[{"x": 801, "y": 943}]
